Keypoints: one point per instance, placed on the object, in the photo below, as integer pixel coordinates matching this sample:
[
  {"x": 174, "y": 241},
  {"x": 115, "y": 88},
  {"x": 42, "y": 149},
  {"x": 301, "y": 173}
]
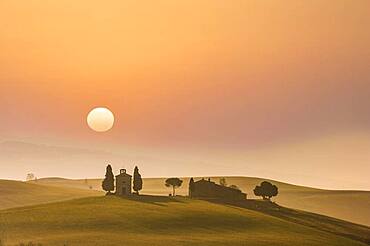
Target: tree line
[{"x": 266, "y": 190}]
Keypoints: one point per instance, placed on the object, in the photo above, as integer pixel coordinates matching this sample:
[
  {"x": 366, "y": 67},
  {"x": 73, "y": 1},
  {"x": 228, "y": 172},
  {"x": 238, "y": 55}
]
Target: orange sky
[{"x": 191, "y": 76}]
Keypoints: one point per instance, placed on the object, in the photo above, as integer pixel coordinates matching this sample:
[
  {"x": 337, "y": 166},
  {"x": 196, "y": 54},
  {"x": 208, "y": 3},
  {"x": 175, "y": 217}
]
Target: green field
[
  {"x": 347, "y": 205},
  {"x": 17, "y": 194},
  {"x": 170, "y": 221}
]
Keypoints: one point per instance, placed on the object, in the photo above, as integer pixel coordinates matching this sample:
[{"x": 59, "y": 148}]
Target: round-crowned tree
[
  {"x": 266, "y": 190},
  {"x": 174, "y": 183}
]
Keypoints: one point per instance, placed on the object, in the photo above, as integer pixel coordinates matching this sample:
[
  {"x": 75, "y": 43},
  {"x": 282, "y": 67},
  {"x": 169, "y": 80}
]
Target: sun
[{"x": 100, "y": 119}]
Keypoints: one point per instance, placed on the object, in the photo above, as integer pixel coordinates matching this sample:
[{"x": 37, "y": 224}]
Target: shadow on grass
[
  {"x": 155, "y": 200},
  {"x": 320, "y": 222}
]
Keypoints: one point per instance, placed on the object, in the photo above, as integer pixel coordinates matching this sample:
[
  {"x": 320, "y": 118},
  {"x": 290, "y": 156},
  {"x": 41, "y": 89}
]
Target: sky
[{"x": 275, "y": 89}]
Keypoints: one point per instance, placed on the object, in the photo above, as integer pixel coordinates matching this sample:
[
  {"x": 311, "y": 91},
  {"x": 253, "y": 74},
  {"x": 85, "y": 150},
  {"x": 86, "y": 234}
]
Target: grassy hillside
[
  {"x": 155, "y": 220},
  {"x": 17, "y": 194},
  {"x": 347, "y": 205}
]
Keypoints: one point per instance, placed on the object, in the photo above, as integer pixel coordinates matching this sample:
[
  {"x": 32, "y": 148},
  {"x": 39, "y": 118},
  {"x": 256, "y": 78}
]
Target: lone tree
[
  {"x": 174, "y": 182},
  {"x": 266, "y": 190},
  {"x": 138, "y": 182},
  {"x": 30, "y": 177},
  {"x": 108, "y": 182},
  {"x": 191, "y": 187},
  {"x": 223, "y": 182}
]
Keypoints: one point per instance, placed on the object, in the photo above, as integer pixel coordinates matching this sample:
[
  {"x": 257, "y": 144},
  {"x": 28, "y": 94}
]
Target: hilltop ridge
[{"x": 343, "y": 204}]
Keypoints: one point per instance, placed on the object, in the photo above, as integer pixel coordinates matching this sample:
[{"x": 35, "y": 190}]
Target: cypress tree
[
  {"x": 191, "y": 187},
  {"x": 108, "y": 182},
  {"x": 138, "y": 182}
]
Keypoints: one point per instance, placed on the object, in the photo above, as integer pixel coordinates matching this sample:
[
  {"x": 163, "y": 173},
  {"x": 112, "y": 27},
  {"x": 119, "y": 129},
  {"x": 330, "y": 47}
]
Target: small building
[
  {"x": 210, "y": 190},
  {"x": 123, "y": 183}
]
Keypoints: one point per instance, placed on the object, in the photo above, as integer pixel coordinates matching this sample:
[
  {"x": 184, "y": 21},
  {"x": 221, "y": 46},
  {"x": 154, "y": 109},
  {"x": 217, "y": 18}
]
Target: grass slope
[
  {"x": 17, "y": 194},
  {"x": 347, "y": 205},
  {"x": 155, "y": 221}
]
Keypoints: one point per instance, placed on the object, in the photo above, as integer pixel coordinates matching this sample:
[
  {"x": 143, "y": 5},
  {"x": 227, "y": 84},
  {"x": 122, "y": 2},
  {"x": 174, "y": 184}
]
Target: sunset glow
[{"x": 209, "y": 82}]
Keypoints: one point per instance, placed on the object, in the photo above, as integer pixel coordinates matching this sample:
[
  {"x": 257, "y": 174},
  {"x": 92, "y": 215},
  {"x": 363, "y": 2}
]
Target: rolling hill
[
  {"x": 18, "y": 194},
  {"x": 343, "y": 204},
  {"x": 153, "y": 220}
]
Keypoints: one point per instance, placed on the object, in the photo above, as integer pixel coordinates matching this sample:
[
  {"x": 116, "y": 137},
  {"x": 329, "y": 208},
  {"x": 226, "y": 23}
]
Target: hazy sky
[{"x": 277, "y": 89}]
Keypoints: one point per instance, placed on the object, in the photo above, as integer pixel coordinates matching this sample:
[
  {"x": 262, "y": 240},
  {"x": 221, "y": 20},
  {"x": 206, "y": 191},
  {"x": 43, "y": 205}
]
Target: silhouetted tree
[
  {"x": 138, "y": 182},
  {"x": 174, "y": 182},
  {"x": 191, "y": 187},
  {"x": 30, "y": 176},
  {"x": 223, "y": 182},
  {"x": 108, "y": 182},
  {"x": 266, "y": 190}
]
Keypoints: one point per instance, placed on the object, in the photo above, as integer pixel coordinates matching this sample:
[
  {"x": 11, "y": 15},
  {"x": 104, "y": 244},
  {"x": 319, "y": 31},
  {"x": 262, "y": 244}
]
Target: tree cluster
[{"x": 224, "y": 184}]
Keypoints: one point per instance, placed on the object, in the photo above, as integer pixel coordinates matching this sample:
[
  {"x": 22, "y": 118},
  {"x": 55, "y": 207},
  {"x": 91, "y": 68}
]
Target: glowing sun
[{"x": 100, "y": 119}]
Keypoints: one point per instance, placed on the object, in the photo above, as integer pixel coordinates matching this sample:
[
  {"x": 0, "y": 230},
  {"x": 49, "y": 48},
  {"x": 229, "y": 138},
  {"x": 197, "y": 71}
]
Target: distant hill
[
  {"x": 18, "y": 194},
  {"x": 347, "y": 205},
  {"x": 153, "y": 220}
]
